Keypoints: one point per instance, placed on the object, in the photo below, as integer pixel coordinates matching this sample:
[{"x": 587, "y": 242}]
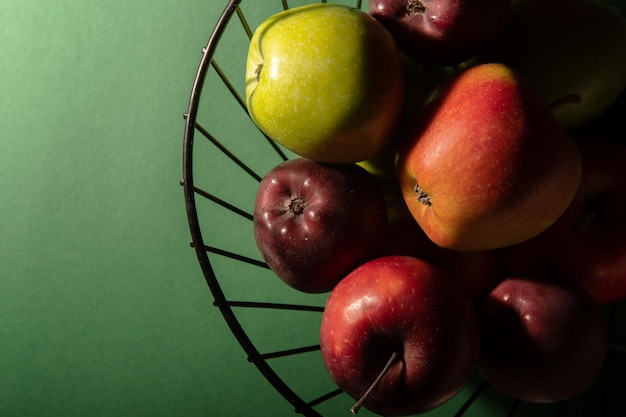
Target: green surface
[
  {"x": 103, "y": 307},
  {"x": 103, "y": 310}
]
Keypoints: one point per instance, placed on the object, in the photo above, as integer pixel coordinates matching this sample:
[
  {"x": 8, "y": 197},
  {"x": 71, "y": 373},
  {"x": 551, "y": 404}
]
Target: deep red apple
[
  {"x": 444, "y": 32},
  {"x": 315, "y": 222},
  {"x": 401, "y": 305},
  {"x": 587, "y": 244},
  {"x": 541, "y": 341}
]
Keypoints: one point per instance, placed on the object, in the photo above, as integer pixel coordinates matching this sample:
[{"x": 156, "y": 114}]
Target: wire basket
[{"x": 224, "y": 158}]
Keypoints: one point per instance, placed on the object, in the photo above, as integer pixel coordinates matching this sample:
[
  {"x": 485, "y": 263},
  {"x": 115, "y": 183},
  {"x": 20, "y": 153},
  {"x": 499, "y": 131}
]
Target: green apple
[
  {"x": 567, "y": 49},
  {"x": 325, "y": 81}
]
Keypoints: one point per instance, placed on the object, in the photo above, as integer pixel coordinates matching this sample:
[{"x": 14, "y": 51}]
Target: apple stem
[
  {"x": 566, "y": 99},
  {"x": 356, "y": 407}
]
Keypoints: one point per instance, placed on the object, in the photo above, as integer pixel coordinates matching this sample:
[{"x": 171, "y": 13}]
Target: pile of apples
[{"x": 459, "y": 190}]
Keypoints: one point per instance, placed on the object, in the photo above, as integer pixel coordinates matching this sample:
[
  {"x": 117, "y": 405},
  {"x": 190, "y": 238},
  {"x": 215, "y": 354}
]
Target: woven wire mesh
[{"x": 222, "y": 165}]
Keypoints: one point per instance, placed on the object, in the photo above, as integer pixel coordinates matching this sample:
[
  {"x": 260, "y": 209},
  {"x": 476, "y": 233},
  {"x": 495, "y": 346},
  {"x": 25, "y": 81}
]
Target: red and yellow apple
[{"x": 486, "y": 165}]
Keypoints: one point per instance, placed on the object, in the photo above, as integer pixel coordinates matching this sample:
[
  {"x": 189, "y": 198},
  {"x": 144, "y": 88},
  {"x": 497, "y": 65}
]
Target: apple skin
[
  {"x": 406, "y": 305},
  {"x": 587, "y": 244},
  {"x": 486, "y": 165},
  {"x": 541, "y": 341},
  {"x": 442, "y": 32},
  {"x": 566, "y": 47},
  {"x": 316, "y": 76},
  {"x": 315, "y": 222}
]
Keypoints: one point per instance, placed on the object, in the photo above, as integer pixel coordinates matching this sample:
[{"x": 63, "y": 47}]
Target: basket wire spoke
[{"x": 205, "y": 251}]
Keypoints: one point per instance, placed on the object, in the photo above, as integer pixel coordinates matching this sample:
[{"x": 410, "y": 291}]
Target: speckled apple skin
[
  {"x": 325, "y": 81},
  {"x": 495, "y": 164}
]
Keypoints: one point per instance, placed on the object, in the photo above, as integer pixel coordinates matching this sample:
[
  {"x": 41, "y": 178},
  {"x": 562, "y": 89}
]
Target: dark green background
[{"x": 103, "y": 307}]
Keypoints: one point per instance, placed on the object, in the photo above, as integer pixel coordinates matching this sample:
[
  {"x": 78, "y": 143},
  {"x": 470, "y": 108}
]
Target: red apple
[
  {"x": 315, "y": 222},
  {"x": 541, "y": 341},
  {"x": 401, "y": 305},
  {"x": 442, "y": 31},
  {"x": 587, "y": 244},
  {"x": 486, "y": 165}
]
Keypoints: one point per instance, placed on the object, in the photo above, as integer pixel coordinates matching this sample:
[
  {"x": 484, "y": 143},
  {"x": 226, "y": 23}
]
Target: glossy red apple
[
  {"x": 587, "y": 244},
  {"x": 315, "y": 222},
  {"x": 444, "y": 32},
  {"x": 486, "y": 165},
  {"x": 401, "y": 305},
  {"x": 541, "y": 341}
]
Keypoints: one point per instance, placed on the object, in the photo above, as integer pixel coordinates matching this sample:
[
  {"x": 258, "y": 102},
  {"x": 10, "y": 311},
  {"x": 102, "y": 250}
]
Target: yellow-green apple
[
  {"x": 443, "y": 32},
  {"x": 486, "y": 165},
  {"x": 325, "y": 81},
  {"x": 315, "y": 222},
  {"x": 567, "y": 48},
  {"x": 587, "y": 244},
  {"x": 541, "y": 341},
  {"x": 404, "y": 306}
]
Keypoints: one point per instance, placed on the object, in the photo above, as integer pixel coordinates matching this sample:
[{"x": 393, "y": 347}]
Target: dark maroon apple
[
  {"x": 404, "y": 306},
  {"x": 443, "y": 32},
  {"x": 587, "y": 244},
  {"x": 541, "y": 341},
  {"x": 315, "y": 222}
]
